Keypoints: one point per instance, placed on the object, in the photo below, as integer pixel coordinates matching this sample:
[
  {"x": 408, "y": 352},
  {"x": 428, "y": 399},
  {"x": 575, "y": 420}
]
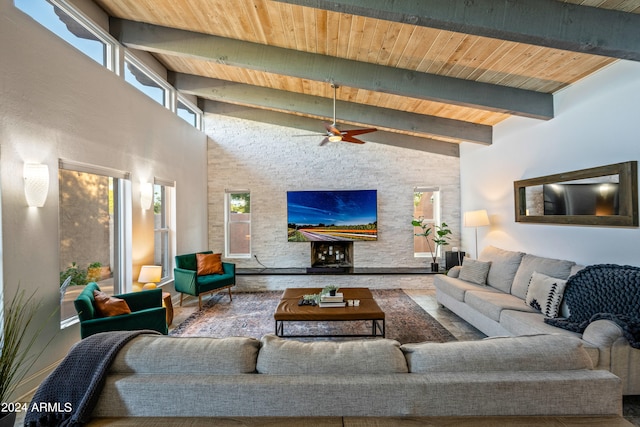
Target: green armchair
[
  {"x": 146, "y": 307},
  {"x": 186, "y": 280}
]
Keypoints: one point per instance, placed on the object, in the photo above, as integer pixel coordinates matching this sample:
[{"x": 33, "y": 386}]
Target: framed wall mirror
[{"x": 604, "y": 196}]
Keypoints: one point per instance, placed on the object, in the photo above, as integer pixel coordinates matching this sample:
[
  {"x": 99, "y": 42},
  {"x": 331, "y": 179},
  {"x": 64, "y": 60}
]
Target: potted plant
[
  {"x": 440, "y": 238},
  {"x": 94, "y": 272},
  {"x": 330, "y": 289},
  {"x": 15, "y": 345},
  {"x": 78, "y": 276}
]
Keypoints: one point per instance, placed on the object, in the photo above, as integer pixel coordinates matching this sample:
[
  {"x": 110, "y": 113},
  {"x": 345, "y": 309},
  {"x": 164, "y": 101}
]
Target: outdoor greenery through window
[
  {"x": 91, "y": 235},
  {"x": 68, "y": 24},
  {"x": 238, "y": 219},
  {"x": 426, "y": 205}
]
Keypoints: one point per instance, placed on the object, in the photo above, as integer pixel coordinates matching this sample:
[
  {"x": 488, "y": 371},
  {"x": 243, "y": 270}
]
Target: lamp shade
[
  {"x": 150, "y": 274},
  {"x": 477, "y": 218},
  {"x": 36, "y": 184}
]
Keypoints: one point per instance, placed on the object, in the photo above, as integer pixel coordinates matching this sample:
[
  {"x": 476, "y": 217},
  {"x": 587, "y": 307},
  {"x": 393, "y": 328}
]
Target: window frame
[
  {"x": 436, "y": 220},
  {"x": 181, "y": 99},
  {"x": 122, "y": 225},
  {"x": 111, "y": 53},
  {"x": 166, "y": 229},
  {"x": 168, "y": 98},
  {"x": 228, "y": 220}
]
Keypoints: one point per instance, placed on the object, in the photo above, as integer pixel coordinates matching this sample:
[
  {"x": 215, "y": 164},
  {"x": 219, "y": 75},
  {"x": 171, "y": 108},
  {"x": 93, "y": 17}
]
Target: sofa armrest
[
  {"x": 150, "y": 298},
  {"x": 185, "y": 281},
  {"x": 229, "y": 268},
  {"x": 151, "y": 318},
  {"x": 602, "y": 333},
  {"x": 454, "y": 271}
]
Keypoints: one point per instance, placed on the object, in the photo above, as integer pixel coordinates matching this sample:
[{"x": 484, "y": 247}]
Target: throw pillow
[
  {"x": 474, "y": 271},
  {"x": 545, "y": 293},
  {"x": 209, "y": 264},
  {"x": 107, "y": 306}
]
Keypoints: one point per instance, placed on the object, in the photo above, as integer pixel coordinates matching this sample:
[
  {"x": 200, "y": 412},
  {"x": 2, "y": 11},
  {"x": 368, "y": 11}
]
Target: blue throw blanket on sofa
[
  {"x": 603, "y": 291},
  {"x": 68, "y": 395}
]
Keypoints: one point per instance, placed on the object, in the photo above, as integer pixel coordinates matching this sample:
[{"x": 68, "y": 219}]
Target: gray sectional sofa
[
  {"x": 491, "y": 295},
  {"x": 238, "y": 377}
]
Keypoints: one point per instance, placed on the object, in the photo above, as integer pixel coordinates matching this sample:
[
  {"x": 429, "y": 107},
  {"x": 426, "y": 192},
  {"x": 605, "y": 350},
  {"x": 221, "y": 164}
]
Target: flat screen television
[
  {"x": 347, "y": 215},
  {"x": 581, "y": 199}
]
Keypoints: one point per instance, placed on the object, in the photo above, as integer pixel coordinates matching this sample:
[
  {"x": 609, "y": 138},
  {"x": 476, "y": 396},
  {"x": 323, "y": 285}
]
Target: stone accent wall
[{"x": 269, "y": 160}]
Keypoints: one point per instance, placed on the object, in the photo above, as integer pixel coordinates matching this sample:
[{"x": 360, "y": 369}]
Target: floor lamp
[{"x": 476, "y": 219}]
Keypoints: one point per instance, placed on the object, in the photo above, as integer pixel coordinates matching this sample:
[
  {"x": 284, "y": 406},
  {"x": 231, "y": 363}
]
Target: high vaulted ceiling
[{"x": 427, "y": 73}]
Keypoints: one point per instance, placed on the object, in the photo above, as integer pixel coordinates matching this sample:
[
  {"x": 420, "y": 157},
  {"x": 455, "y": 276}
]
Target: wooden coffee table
[{"x": 288, "y": 310}]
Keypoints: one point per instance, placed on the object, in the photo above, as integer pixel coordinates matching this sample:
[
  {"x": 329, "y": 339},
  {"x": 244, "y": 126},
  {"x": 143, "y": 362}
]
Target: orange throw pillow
[
  {"x": 209, "y": 264},
  {"x": 110, "y": 306}
]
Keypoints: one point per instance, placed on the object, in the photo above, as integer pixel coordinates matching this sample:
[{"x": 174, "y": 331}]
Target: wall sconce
[
  {"x": 476, "y": 219},
  {"x": 36, "y": 184},
  {"x": 150, "y": 275},
  {"x": 146, "y": 195}
]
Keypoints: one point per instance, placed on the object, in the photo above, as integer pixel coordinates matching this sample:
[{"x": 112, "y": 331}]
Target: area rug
[{"x": 250, "y": 314}]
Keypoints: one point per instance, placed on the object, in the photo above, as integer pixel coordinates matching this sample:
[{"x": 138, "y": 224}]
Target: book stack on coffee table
[{"x": 336, "y": 300}]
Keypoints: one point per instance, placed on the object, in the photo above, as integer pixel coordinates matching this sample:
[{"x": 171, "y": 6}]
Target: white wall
[
  {"x": 268, "y": 160},
  {"x": 57, "y": 103},
  {"x": 596, "y": 123}
]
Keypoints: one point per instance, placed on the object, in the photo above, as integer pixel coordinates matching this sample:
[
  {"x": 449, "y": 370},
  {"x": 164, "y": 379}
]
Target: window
[
  {"x": 143, "y": 79},
  {"x": 72, "y": 26},
  {"x": 163, "y": 203},
  {"x": 238, "y": 220},
  {"x": 426, "y": 205},
  {"x": 93, "y": 210},
  {"x": 189, "y": 112}
]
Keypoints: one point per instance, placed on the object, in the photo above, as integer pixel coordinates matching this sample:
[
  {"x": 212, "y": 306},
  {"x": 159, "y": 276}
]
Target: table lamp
[
  {"x": 150, "y": 275},
  {"x": 476, "y": 219}
]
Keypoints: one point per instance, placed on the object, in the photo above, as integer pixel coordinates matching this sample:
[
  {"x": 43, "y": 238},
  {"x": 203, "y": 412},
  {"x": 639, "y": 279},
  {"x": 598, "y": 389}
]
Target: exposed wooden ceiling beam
[
  {"x": 237, "y": 93},
  {"x": 548, "y": 23},
  {"x": 341, "y": 71},
  {"x": 310, "y": 125}
]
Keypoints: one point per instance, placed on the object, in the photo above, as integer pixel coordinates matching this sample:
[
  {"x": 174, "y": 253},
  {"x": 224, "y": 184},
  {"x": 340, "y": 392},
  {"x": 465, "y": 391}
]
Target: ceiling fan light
[{"x": 335, "y": 138}]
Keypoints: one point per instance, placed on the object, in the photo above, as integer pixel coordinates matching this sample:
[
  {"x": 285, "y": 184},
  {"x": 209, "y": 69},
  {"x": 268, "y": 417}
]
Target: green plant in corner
[
  {"x": 440, "y": 238},
  {"x": 16, "y": 344}
]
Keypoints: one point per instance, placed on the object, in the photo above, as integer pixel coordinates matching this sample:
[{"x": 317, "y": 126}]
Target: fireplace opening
[{"x": 331, "y": 257}]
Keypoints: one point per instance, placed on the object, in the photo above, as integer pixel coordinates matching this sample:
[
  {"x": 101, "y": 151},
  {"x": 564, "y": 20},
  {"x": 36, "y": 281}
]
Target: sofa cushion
[
  {"x": 523, "y": 323},
  {"x": 504, "y": 265},
  {"x": 456, "y": 288},
  {"x": 530, "y": 263},
  {"x": 492, "y": 303},
  {"x": 280, "y": 356},
  {"x": 474, "y": 271},
  {"x": 107, "y": 306},
  {"x": 209, "y": 264},
  {"x": 152, "y": 354},
  {"x": 527, "y": 353},
  {"x": 545, "y": 294}
]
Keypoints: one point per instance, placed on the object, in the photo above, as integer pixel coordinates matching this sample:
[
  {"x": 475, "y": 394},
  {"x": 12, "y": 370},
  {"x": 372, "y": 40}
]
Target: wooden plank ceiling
[{"x": 426, "y": 80}]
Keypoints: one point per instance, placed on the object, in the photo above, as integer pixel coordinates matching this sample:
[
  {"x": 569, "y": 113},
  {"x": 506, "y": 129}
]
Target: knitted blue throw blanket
[
  {"x": 68, "y": 395},
  {"x": 603, "y": 291}
]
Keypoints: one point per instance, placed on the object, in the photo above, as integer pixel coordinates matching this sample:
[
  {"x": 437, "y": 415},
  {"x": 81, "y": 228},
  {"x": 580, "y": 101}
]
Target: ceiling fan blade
[
  {"x": 331, "y": 128},
  {"x": 359, "y": 131},
  {"x": 324, "y": 141},
  {"x": 349, "y": 138}
]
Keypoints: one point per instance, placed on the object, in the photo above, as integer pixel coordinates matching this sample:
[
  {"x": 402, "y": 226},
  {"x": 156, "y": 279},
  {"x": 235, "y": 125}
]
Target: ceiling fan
[{"x": 336, "y": 135}]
